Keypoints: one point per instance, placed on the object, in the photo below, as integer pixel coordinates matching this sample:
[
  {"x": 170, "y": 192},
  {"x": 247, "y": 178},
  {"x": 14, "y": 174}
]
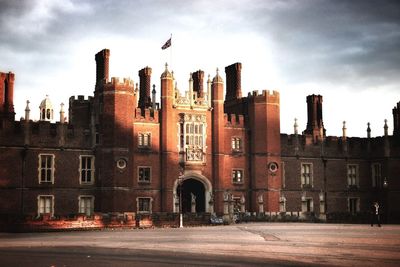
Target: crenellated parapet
[
  {"x": 234, "y": 120},
  {"x": 119, "y": 85},
  {"x": 266, "y": 96},
  {"x": 149, "y": 115}
]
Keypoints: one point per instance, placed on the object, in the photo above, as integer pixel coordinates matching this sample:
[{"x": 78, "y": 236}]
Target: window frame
[
  {"x": 234, "y": 173},
  {"x": 44, "y": 197},
  {"x": 46, "y": 168},
  {"x": 138, "y": 174},
  {"x": 350, "y": 205},
  {"x": 376, "y": 179},
  {"x": 237, "y": 144},
  {"x": 352, "y": 179},
  {"x": 81, "y": 181},
  {"x": 311, "y": 175},
  {"x": 142, "y": 137},
  {"x": 138, "y": 205},
  {"x": 89, "y": 197}
]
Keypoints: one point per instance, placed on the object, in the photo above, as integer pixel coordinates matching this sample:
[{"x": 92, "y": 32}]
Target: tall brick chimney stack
[
  {"x": 315, "y": 124},
  {"x": 198, "y": 84},
  {"x": 145, "y": 83},
  {"x": 102, "y": 66},
  {"x": 7, "y": 93},
  {"x": 233, "y": 81},
  {"x": 396, "y": 120}
]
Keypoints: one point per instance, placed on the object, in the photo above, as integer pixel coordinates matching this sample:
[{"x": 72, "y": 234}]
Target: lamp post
[
  {"x": 180, "y": 180},
  {"x": 385, "y": 199}
]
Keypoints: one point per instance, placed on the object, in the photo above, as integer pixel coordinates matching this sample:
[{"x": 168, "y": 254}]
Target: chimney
[
  {"x": 315, "y": 124},
  {"x": 102, "y": 66},
  {"x": 198, "y": 85},
  {"x": 144, "y": 94},
  {"x": 396, "y": 120},
  {"x": 233, "y": 81}
]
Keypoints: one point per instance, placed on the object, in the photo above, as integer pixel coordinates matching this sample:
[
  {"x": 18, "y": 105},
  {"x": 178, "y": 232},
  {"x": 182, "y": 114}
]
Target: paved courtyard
[{"x": 253, "y": 244}]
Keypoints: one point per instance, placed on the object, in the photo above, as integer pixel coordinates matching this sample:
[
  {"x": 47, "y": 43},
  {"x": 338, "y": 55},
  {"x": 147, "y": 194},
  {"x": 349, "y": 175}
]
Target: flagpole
[{"x": 170, "y": 54}]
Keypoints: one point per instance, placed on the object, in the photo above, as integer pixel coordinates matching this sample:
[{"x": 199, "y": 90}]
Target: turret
[
  {"x": 315, "y": 124},
  {"x": 46, "y": 110},
  {"x": 145, "y": 83},
  {"x": 233, "y": 81}
]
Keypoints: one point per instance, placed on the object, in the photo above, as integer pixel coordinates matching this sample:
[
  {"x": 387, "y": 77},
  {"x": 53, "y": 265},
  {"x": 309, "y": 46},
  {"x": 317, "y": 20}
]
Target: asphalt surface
[{"x": 253, "y": 244}]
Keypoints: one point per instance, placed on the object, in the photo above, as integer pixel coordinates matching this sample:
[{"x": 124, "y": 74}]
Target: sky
[{"x": 346, "y": 51}]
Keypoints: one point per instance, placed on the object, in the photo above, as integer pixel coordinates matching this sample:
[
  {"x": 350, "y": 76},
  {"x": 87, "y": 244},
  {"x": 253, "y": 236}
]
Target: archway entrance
[{"x": 192, "y": 189}]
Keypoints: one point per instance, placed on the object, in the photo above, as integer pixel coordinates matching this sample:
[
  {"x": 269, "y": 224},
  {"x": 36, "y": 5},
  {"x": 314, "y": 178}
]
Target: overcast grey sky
[{"x": 348, "y": 51}]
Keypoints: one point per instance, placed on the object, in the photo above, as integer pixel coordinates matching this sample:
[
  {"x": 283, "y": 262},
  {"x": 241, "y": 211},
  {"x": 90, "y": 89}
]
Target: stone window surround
[
  {"x": 91, "y": 197},
  {"x": 52, "y": 168},
  {"x": 150, "y": 205},
  {"x": 92, "y": 169},
  {"x": 234, "y": 173},
  {"x": 39, "y": 197},
  {"x": 138, "y": 174}
]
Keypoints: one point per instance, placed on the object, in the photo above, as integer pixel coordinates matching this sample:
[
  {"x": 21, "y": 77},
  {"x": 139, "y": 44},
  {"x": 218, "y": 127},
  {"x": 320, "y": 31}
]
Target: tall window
[
  {"x": 353, "y": 205},
  {"x": 86, "y": 169},
  {"x": 237, "y": 176},
  {"x": 306, "y": 174},
  {"x": 352, "y": 174},
  {"x": 46, "y": 205},
  {"x": 307, "y": 204},
  {"x": 144, "y": 174},
  {"x": 143, "y": 204},
  {"x": 86, "y": 205},
  {"x": 236, "y": 144},
  {"x": 194, "y": 141},
  {"x": 144, "y": 140},
  {"x": 46, "y": 168},
  {"x": 376, "y": 175}
]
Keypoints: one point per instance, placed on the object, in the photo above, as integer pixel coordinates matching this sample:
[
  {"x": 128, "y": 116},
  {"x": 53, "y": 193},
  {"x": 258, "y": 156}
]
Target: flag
[{"x": 167, "y": 44}]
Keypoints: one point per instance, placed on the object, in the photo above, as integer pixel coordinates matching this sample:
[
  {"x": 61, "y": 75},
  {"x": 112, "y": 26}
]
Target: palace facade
[{"x": 209, "y": 149}]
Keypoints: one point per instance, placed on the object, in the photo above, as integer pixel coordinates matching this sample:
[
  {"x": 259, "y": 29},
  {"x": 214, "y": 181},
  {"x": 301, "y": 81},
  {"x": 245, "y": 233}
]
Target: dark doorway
[{"x": 189, "y": 187}]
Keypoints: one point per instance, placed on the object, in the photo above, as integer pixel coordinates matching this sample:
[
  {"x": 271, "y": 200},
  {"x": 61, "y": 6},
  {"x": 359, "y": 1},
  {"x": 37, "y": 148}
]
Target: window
[
  {"x": 306, "y": 174},
  {"x": 86, "y": 205},
  {"x": 376, "y": 175},
  {"x": 352, "y": 174},
  {"x": 192, "y": 138},
  {"x": 353, "y": 205},
  {"x": 307, "y": 204},
  {"x": 237, "y": 176},
  {"x": 144, "y": 140},
  {"x": 144, "y": 174},
  {"x": 46, "y": 168},
  {"x": 46, "y": 205},
  {"x": 144, "y": 204},
  {"x": 86, "y": 169},
  {"x": 236, "y": 144}
]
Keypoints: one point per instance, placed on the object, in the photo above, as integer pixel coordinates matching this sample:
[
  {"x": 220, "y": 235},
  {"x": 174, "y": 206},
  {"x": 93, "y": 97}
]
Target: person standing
[{"x": 375, "y": 214}]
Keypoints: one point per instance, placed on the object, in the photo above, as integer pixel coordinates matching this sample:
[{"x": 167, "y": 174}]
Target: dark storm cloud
[{"x": 343, "y": 41}]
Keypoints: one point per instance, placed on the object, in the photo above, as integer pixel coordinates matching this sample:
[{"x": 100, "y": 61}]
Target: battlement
[
  {"x": 119, "y": 84},
  {"x": 234, "y": 120},
  {"x": 149, "y": 115},
  {"x": 267, "y": 96},
  {"x": 80, "y": 99}
]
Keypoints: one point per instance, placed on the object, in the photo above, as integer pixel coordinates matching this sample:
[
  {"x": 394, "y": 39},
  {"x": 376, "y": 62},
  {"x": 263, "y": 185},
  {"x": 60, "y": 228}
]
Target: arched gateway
[{"x": 196, "y": 192}]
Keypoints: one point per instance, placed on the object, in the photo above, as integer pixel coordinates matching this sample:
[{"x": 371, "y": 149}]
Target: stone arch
[{"x": 207, "y": 190}]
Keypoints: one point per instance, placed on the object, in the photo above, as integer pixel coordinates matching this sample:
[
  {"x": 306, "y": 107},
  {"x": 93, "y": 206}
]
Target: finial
[
  {"x": 368, "y": 130},
  {"x": 154, "y": 89},
  {"x": 166, "y": 66},
  {"x": 295, "y": 126},
  {"x": 62, "y": 107},
  {"x": 27, "y": 105},
  {"x": 217, "y": 71},
  {"x": 209, "y": 78},
  {"x": 137, "y": 87},
  {"x": 344, "y": 129},
  {"x": 172, "y": 73},
  {"x": 385, "y": 128}
]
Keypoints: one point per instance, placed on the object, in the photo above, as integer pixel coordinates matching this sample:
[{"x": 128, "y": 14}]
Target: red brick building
[{"x": 122, "y": 151}]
